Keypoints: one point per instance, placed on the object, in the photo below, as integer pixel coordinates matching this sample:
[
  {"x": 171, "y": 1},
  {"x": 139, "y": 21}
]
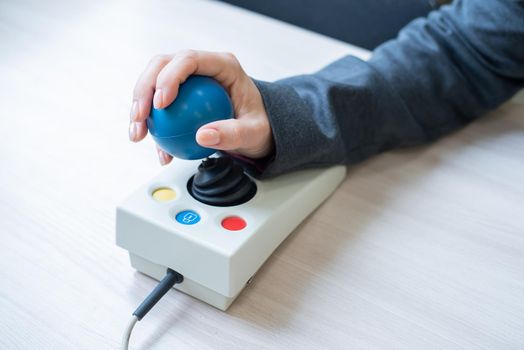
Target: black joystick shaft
[{"x": 221, "y": 182}]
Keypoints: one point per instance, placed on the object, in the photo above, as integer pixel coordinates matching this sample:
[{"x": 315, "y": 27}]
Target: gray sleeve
[{"x": 440, "y": 73}]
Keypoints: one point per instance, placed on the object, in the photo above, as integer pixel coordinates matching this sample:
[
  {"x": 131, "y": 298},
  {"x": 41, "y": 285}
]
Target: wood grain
[{"x": 418, "y": 249}]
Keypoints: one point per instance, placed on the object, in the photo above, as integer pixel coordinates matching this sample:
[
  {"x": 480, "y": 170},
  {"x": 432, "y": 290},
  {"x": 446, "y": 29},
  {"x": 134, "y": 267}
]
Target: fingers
[
  {"x": 145, "y": 87},
  {"x": 163, "y": 156},
  {"x": 171, "y": 76},
  {"x": 158, "y": 86},
  {"x": 223, "y": 67},
  {"x": 137, "y": 131}
]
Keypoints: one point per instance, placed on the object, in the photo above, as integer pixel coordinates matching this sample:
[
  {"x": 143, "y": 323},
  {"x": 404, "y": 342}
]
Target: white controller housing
[{"x": 216, "y": 263}]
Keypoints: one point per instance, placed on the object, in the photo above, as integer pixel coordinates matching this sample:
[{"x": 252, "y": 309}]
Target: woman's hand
[{"x": 248, "y": 134}]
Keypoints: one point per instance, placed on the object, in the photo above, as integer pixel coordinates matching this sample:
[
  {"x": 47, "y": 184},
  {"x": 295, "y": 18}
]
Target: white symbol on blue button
[{"x": 187, "y": 217}]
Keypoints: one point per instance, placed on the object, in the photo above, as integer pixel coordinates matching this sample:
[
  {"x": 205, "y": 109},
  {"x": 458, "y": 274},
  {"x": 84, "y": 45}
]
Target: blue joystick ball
[{"x": 200, "y": 100}]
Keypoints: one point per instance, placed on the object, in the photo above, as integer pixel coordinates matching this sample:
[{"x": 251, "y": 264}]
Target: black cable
[{"x": 170, "y": 279}]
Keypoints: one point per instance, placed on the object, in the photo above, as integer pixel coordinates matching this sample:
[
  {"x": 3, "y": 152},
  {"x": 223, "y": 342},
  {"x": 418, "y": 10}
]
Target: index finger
[
  {"x": 145, "y": 87},
  {"x": 223, "y": 67}
]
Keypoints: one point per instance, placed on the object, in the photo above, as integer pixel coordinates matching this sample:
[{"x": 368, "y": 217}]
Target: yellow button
[{"x": 164, "y": 194}]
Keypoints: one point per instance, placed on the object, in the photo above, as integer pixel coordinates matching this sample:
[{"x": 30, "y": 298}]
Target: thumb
[{"x": 226, "y": 135}]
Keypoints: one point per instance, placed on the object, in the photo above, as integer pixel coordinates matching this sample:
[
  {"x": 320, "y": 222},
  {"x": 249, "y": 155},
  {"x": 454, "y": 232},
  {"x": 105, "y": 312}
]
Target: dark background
[{"x": 365, "y": 23}]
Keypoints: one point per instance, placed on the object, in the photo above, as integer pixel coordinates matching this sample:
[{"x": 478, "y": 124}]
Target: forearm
[{"x": 439, "y": 74}]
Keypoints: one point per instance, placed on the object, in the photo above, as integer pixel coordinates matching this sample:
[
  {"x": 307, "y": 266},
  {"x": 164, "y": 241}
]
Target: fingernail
[
  {"x": 158, "y": 98},
  {"x": 132, "y": 131},
  {"x": 134, "y": 110},
  {"x": 162, "y": 157},
  {"x": 209, "y": 137}
]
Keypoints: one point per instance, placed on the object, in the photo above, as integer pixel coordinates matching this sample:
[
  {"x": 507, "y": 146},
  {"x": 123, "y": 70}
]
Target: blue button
[{"x": 187, "y": 217}]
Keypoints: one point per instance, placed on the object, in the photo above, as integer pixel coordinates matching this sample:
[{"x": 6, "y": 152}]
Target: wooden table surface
[{"x": 418, "y": 249}]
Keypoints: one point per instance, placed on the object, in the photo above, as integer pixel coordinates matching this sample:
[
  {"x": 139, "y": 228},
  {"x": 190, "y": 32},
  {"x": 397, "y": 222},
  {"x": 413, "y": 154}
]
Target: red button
[{"x": 233, "y": 223}]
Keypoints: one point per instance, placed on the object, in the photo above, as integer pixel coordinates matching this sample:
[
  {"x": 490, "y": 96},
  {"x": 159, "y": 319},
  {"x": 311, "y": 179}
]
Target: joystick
[
  {"x": 204, "y": 217},
  {"x": 221, "y": 182}
]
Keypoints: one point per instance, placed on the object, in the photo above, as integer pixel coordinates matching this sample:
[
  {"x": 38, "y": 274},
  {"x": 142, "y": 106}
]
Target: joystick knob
[
  {"x": 200, "y": 100},
  {"x": 221, "y": 182}
]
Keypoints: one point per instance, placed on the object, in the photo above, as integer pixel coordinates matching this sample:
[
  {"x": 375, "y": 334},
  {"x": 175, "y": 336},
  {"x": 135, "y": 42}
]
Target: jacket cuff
[{"x": 293, "y": 131}]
